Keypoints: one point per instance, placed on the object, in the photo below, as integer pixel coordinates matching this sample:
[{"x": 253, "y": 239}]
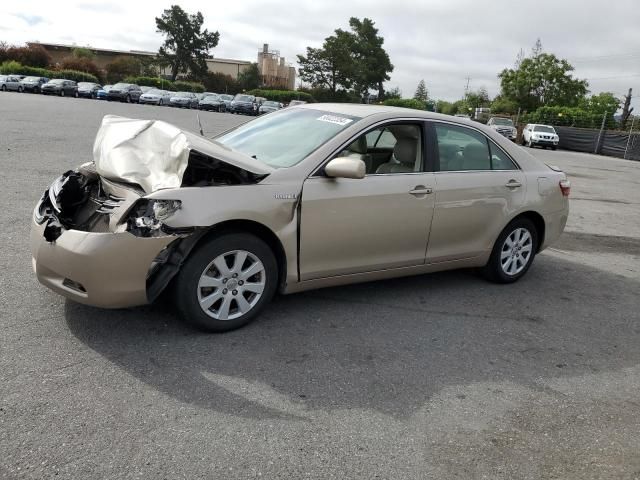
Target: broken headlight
[{"x": 148, "y": 216}]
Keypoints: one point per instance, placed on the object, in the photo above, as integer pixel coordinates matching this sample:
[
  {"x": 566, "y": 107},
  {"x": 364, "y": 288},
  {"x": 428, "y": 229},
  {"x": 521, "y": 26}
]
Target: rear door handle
[
  {"x": 513, "y": 184},
  {"x": 421, "y": 190}
]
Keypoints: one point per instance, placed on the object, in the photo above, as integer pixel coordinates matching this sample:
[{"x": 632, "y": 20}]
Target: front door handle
[
  {"x": 513, "y": 184},
  {"x": 421, "y": 190}
]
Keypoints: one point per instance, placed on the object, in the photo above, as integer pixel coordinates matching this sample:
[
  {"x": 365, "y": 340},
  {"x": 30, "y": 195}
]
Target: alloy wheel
[
  {"x": 516, "y": 251},
  {"x": 231, "y": 285}
]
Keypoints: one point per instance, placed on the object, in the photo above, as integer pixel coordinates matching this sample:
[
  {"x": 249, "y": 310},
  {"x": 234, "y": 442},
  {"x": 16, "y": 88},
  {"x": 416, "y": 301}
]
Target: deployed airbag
[{"x": 155, "y": 154}]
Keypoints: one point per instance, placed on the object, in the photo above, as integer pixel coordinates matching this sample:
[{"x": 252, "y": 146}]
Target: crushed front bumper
[{"x": 101, "y": 269}]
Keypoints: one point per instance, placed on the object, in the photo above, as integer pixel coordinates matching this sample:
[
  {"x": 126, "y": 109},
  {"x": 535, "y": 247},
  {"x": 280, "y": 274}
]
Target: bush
[
  {"x": 31, "y": 55},
  {"x": 19, "y": 69},
  {"x": 405, "y": 103},
  {"x": 183, "y": 86},
  {"x": 221, "y": 83},
  {"x": 122, "y": 67},
  {"x": 283, "y": 96},
  {"x": 155, "y": 82},
  {"x": 80, "y": 64},
  {"x": 73, "y": 75}
]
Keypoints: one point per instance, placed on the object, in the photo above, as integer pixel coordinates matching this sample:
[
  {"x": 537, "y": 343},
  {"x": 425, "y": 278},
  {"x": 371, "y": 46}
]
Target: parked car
[
  {"x": 246, "y": 104},
  {"x": 184, "y": 100},
  {"x": 540, "y": 135},
  {"x": 60, "y": 86},
  {"x": 269, "y": 106},
  {"x": 156, "y": 96},
  {"x": 212, "y": 102},
  {"x": 227, "y": 99},
  {"x": 33, "y": 84},
  {"x": 88, "y": 89},
  {"x": 102, "y": 93},
  {"x": 504, "y": 126},
  {"x": 10, "y": 82},
  {"x": 309, "y": 197},
  {"x": 293, "y": 103},
  {"x": 124, "y": 92}
]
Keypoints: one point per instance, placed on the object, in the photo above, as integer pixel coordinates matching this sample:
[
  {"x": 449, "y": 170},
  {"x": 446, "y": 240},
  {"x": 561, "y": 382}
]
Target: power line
[{"x": 616, "y": 76}]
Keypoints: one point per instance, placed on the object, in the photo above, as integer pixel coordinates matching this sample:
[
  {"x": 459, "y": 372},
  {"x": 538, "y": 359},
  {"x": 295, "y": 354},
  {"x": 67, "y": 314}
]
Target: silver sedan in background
[{"x": 156, "y": 96}]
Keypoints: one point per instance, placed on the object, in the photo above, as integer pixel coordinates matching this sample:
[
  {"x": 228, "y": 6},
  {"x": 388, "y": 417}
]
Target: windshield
[
  {"x": 31, "y": 79},
  {"x": 86, "y": 85},
  {"x": 154, "y": 91},
  {"x": 226, "y": 97},
  {"x": 543, "y": 128},
  {"x": 244, "y": 98},
  {"x": 182, "y": 94},
  {"x": 284, "y": 138},
  {"x": 271, "y": 104},
  {"x": 57, "y": 81},
  {"x": 121, "y": 85},
  {"x": 503, "y": 121},
  {"x": 3, "y": 77}
]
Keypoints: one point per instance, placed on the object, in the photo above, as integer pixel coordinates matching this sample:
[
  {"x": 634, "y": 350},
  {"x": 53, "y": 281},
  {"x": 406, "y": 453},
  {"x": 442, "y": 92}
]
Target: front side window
[
  {"x": 286, "y": 137},
  {"x": 395, "y": 148}
]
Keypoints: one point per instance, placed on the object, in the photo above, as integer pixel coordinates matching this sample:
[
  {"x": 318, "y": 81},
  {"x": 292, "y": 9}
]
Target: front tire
[
  {"x": 128, "y": 99},
  {"x": 226, "y": 282},
  {"x": 513, "y": 252},
  {"x": 62, "y": 93}
]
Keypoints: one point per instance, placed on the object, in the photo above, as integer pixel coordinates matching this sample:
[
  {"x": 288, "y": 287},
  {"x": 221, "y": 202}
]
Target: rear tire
[
  {"x": 554, "y": 147},
  {"x": 513, "y": 252},
  {"x": 4, "y": 88},
  {"x": 128, "y": 99},
  {"x": 62, "y": 93},
  {"x": 19, "y": 89},
  {"x": 218, "y": 297}
]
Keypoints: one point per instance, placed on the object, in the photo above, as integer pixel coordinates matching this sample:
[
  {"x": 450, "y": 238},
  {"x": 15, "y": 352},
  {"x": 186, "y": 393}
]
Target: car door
[
  {"x": 378, "y": 222},
  {"x": 14, "y": 83},
  {"x": 477, "y": 188}
]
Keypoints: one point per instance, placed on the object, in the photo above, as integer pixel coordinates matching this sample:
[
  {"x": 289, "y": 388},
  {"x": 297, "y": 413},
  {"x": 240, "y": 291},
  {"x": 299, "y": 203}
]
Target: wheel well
[
  {"x": 259, "y": 230},
  {"x": 538, "y": 222}
]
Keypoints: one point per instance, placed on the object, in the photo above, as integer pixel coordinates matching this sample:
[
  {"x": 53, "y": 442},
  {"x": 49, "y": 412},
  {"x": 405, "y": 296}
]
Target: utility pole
[
  {"x": 466, "y": 88},
  {"x": 604, "y": 118},
  {"x": 633, "y": 119}
]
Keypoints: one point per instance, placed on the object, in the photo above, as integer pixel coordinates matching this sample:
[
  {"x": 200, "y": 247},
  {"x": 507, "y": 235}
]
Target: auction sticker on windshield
[{"x": 335, "y": 119}]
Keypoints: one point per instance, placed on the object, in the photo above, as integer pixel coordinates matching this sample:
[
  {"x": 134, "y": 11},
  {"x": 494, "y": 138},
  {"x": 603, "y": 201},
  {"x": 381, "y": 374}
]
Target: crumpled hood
[{"x": 155, "y": 154}]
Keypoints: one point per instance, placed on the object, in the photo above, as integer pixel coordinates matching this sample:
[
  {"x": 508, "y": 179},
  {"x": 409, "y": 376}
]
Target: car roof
[{"x": 364, "y": 110}]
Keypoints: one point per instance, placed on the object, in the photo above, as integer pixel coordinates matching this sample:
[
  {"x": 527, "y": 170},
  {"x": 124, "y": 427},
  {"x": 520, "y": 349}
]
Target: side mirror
[{"x": 345, "y": 167}]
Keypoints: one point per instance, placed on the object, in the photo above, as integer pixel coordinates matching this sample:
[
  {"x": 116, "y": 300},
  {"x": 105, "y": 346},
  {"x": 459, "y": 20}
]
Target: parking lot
[{"x": 439, "y": 376}]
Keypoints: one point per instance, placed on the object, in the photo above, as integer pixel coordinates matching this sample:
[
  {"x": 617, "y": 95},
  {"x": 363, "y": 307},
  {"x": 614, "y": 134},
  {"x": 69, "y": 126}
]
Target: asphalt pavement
[{"x": 438, "y": 376}]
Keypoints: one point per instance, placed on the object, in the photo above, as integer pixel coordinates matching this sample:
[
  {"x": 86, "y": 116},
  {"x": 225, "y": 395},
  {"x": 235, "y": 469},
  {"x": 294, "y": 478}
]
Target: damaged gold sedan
[{"x": 307, "y": 197}]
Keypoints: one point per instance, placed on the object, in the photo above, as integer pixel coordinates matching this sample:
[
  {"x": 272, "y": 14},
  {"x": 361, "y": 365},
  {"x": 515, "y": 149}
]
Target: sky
[{"x": 440, "y": 41}]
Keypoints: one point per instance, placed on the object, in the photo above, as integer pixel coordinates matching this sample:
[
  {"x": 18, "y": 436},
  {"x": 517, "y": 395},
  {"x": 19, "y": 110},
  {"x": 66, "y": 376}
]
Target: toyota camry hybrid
[{"x": 310, "y": 196}]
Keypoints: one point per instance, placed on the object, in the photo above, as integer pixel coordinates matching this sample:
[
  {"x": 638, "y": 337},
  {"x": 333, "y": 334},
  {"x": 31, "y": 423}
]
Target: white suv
[
  {"x": 504, "y": 126},
  {"x": 542, "y": 135}
]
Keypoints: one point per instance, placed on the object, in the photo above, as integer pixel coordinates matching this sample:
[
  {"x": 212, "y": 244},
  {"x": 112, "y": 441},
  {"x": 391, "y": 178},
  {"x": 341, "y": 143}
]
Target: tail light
[{"x": 565, "y": 187}]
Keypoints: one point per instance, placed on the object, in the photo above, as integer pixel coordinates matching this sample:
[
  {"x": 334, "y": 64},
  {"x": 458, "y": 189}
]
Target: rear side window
[{"x": 464, "y": 149}]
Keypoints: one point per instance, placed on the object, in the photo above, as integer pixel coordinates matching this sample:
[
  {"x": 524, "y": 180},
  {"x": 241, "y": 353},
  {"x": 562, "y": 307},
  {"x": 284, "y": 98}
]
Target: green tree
[
  {"x": 422, "y": 93},
  {"x": 542, "y": 80},
  {"x": 372, "y": 63},
  {"x": 601, "y": 103},
  {"x": 348, "y": 59},
  {"x": 503, "y": 105},
  {"x": 122, "y": 67},
  {"x": 478, "y": 98},
  {"x": 329, "y": 67},
  {"x": 393, "y": 93},
  {"x": 249, "y": 79},
  {"x": 186, "y": 45},
  {"x": 82, "y": 52}
]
